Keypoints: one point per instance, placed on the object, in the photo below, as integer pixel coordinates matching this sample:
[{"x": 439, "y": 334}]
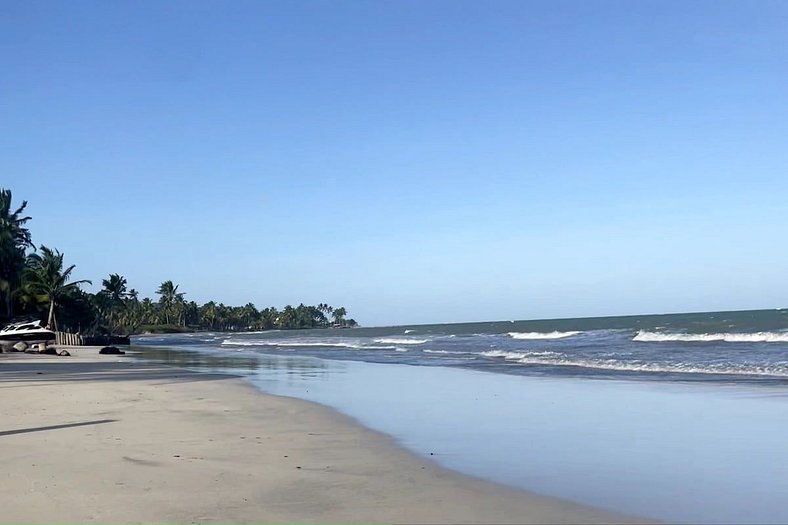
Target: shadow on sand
[{"x": 54, "y": 427}]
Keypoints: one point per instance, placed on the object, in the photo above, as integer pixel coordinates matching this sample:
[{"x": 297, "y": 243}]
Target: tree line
[{"x": 36, "y": 282}]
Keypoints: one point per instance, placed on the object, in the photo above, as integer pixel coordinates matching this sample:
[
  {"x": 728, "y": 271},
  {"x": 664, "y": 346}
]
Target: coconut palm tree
[
  {"x": 287, "y": 318},
  {"x": 191, "y": 314},
  {"x": 46, "y": 279},
  {"x": 112, "y": 301},
  {"x": 148, "y": 312},
  {"x": 170, "y": 299},
  {"x": 208, "y": 315},
  {"x": 339, "y": 315},
  {"x": 249, "y": 316},
  {"x": 269, "y": 317},
  {"x": 14, "y": 240},
  {"x": 223, "y": 316},
  {"x": 115, "y": 288}
]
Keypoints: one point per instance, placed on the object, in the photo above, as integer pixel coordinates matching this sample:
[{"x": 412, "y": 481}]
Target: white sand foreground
[{"x": 109, "y": 439}]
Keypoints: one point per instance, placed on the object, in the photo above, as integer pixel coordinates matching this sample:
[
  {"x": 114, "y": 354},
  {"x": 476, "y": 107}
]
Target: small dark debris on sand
[{"x": 111, "y": 350}]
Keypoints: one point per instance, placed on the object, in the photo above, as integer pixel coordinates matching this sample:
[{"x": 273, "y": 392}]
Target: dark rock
[
  {"x": 48, "y": 351},
  {"x": 64, "y": 353},
  {"x": 111, "y": 350}
]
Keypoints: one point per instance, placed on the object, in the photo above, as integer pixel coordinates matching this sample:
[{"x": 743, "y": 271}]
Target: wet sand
[{"x": 93, "y": 438}]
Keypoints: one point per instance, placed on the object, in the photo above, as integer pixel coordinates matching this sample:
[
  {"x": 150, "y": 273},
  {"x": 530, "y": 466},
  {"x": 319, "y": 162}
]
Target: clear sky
[{"x": 414, "y": 161}]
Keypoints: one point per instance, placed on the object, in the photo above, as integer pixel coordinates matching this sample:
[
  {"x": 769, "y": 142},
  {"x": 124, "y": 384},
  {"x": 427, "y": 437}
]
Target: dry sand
[{"x": 108, "y": 439}]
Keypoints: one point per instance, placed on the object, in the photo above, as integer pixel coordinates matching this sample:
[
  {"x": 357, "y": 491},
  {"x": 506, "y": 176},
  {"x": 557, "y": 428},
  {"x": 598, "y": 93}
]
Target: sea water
[{"x": 679, "y": 418}]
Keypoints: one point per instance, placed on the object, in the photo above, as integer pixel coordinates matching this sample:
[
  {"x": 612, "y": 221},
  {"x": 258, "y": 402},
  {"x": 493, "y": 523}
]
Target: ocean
[
  {"x": 719, "y": 346},
  {"x": 679, "y": 417}
]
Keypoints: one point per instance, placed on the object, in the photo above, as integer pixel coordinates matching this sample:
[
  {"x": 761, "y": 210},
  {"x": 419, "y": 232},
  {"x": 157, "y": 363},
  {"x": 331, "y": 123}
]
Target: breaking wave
[
  {"x": 681, "y": 368},
  {"x": 756, "y": 337},
  {"x": 400, "y": 341},
  {"x": 541, "y": 335},
  {"x": 559, "y": 360},
  {"x": 231, "y": 342},
  {"x": 302, "y": 344},
  {"x": 517, "y": 355},
  {"x": 446, "y": 352}
]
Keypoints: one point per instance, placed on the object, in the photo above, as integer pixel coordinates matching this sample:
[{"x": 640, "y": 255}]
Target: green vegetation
[
  {"x": 45, "y": 280},
  {"x": 37, "y": 283}
]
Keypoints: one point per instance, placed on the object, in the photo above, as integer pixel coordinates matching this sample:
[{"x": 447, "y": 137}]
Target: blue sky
[{"x": 413, "y": 161}]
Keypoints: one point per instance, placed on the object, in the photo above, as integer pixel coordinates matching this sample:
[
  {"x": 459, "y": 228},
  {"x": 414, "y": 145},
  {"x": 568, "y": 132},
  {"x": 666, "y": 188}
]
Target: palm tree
[
  {"x": 14, "y": 240},
  {"x": 148, "y": 312},
  {"x": 249, "y": 315},
  {"x": 115, "y": 288},
  {"x": 170, "y": 298},
  {"x": 287, "y": 318},
  {"x": 339, "y": 315},
  {"x": 223, "y": 316},
  {"x": 316, "y": 316},
  {"x": 208, "y": 315},
  {"x": 114, "y": 297},
  {"x": 269, "y": 317},
  {"x": 189, "y": 313},
  {"x": 48, "y": 281}
]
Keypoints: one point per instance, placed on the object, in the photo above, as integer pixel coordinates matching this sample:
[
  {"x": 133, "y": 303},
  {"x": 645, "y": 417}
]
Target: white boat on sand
[{"x": 28, "y": 331}]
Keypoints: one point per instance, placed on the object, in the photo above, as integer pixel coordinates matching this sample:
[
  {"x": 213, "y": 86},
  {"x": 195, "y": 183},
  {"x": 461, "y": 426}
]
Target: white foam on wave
[
  {"x": 541, "y": 335},
  {"x": 505, "y": 355},
  {"x": 400, "y": 341},
  {"x": 409, "y": 331},
  {"x": 687, "y": 368},
  {"x": 230, "y": 342},
  {"x": 446, "y": 352},
  {"x": 557, "y": 359},
  {"x": 301, "y": 344},
  {"x": 513, "y": 356},
  {"x": 756, "y": 337}
]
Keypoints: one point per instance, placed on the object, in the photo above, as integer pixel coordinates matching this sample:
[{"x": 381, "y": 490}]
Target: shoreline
[{"x": 94, "y": 438}]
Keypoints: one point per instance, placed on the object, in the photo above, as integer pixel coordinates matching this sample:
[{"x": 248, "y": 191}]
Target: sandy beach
[{"x": 93, "y": 438}]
